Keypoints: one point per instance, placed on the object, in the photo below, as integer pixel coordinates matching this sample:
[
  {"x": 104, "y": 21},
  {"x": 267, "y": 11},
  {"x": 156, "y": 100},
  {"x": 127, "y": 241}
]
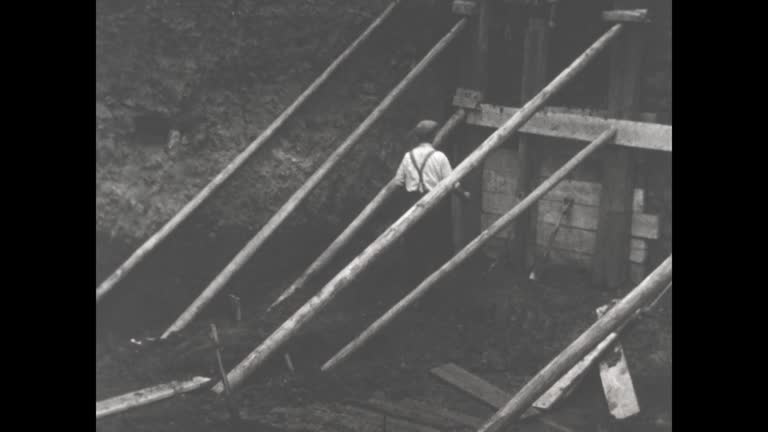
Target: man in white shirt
[{"x": 420, "y": 171}]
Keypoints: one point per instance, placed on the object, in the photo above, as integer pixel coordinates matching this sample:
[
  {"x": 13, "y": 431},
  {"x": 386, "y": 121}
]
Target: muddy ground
[{"x": 217, "y": 73}]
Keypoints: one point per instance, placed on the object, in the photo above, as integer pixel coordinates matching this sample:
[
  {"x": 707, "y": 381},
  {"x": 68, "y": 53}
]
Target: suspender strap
[{"x": 420, "y": 170}]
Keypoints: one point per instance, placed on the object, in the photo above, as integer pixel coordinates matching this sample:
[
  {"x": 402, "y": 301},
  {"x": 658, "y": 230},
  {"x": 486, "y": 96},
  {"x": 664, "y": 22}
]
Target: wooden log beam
[
  {"x": 643, "y": 294},
  {"x": 630, "y": 16},
  {"x": 345, "y": 277},
  {"x": 613, "y": 233},
  {"x": 230, "y": 169},
  {"x": 361, "y": 219},
  {"x": 288, "y": 208},
  {"x": 468, "y": 250},
  {"x": 146, "y": 396},
  {"x": 559, "y": 123}
]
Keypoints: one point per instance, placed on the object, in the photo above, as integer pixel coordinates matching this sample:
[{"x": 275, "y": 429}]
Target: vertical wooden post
[
  {"x": 535, "y": 53},
  {"x": 478, "y": 79},
  {"x": 610, "y": 266}
]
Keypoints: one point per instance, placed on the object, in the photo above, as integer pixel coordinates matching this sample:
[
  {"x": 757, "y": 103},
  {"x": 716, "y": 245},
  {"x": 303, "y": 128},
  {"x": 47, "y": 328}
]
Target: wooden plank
[
  {"x": 146, "y": 396},
  {"x": 635, "y": 134},
  {"x": 471, "y": 384},
  {"x": 617, "y": 382},
  {"x": 486, "y": 392},
  {"x": 568, "y": 382},
  {"x": 645, "y": 226},
  {"x": 633, "y": 16}
]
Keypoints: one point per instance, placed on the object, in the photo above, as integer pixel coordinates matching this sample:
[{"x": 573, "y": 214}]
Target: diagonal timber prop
[
  {"x": 291, "y": 326},
  {"x": 274, "y": 222},
  {"x": 230, "y": 169},
  {"x": 654, "y": 284},
  {"x": 385, "y": 194},
  {"x": 471, "y": 248}
]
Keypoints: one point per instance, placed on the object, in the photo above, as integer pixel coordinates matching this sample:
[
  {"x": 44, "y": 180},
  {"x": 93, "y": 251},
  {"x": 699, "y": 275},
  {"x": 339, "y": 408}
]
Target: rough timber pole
[
  {"x": 260, "y": 238},
  {"x": 386, "y": 192},
  {"x": 654, "y": 284},
  {"x": 470, "y": 248},
  {"x": 390, "y": 236},
  {"x": 224, "y": 175}
]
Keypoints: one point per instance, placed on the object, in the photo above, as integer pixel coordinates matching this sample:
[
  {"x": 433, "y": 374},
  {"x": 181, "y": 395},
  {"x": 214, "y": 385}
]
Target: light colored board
[
  {"x": 472, "y": 384},
  {"x": 585, "y": 217},
  {"x": 146, "y": 396},
  {"x": 487, "y": 392},
  {"x": 631, "y": 16},
  {"x": 617, "y": 382},
  {"x": 565, "y": 385},
  {"x": 650, "y": 136}
]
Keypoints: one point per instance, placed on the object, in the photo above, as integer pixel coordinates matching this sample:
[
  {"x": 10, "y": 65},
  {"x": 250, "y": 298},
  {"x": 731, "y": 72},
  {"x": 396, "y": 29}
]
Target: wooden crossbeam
[
  {"x": 631, "y": 16},
  {"x": 561, "y": 124}
]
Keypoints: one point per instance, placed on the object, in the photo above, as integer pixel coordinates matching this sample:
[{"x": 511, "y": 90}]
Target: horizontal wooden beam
[
  {"x": 558, "y": 124},
  {"x": 631, "y": 16}
]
